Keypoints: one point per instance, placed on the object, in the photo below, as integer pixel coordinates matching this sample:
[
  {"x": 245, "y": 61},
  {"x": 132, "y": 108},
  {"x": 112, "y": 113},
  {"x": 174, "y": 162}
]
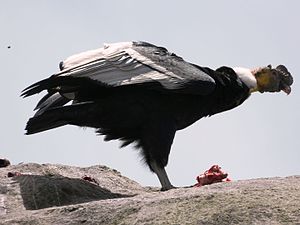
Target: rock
[
  {"x": 58, "y": 194},
  {"x": 4, "y": 162}
]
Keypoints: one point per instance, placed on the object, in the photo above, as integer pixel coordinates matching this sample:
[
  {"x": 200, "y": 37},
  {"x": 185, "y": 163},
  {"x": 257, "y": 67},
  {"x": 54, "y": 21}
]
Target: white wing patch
[
  {"x": 117, "y": 64},
  {"x": 91, "y": 55},
  {"x": 150, "y": 63}
]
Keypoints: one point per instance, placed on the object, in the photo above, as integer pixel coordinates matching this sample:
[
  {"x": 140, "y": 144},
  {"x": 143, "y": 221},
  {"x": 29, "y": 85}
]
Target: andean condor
[{"x": 140, "y": 93}]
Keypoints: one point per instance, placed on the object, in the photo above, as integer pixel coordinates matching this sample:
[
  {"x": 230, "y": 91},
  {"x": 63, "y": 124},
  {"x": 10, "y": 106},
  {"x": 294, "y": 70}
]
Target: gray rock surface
[{"x": 57, "y": 194}]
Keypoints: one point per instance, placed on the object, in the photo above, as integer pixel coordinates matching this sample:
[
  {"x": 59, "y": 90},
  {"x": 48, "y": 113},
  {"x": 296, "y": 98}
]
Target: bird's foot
[{"x": 167, "y": 188}]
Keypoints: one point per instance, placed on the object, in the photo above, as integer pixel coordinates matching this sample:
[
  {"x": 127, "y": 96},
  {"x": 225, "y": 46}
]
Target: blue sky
[{"x": 258, "y": 139}]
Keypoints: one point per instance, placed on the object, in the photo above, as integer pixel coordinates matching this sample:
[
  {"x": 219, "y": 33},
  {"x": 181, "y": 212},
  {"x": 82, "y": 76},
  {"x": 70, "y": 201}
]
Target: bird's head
[{"x": 273, "y": 79}]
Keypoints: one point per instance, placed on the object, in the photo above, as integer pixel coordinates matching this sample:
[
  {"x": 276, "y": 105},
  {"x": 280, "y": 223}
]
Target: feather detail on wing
[{"x": 127, "y": 63}]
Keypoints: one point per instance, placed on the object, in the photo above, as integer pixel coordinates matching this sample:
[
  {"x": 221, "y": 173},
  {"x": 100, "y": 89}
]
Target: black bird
[{"x": 140, "y": 93}]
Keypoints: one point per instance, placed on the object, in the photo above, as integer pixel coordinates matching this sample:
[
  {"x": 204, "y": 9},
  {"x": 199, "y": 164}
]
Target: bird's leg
[{"x": 162, "y": 176}]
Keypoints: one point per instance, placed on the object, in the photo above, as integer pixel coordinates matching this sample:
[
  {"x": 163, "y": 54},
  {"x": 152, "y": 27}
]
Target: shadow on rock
[{"x": 46, "y": 191}]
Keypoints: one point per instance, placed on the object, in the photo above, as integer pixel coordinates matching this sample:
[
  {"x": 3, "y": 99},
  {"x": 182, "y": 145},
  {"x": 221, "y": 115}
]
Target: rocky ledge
[{"x": 58, "y": 194}]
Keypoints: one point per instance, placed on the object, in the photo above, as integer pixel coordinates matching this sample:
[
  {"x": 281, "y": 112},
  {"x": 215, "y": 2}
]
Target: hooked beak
[{"x": 287, "y": 89}]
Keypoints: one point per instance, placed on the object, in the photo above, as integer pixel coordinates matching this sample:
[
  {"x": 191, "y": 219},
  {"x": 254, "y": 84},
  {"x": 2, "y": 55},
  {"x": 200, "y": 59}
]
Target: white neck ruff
[{"x": 246, "y": 76}]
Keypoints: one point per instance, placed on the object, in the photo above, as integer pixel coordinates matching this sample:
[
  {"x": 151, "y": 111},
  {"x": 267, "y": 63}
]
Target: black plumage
[{"x": 134, "y": 92}]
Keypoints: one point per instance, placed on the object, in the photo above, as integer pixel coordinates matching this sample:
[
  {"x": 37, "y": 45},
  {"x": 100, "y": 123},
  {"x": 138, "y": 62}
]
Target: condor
[{"x": 140, "y": 93}]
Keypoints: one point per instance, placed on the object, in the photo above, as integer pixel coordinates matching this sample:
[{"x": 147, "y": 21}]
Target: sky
[{"x": 260, "y": 138}]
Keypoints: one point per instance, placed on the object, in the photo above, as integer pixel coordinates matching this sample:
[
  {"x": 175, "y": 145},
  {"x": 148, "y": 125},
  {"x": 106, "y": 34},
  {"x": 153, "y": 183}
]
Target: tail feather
[
  {"x": 57, "y": 117},
  {"x": 50, "y": 101},
  {"x": 50, "y": 83},
  {"x": 41, "y": 123},
  {"x": 38, "y": 87}
]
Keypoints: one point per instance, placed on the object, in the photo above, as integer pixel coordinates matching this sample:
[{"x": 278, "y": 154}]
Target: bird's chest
[
  {"x": 191, "y": 109},
  {"x": 187, "y": 110}
]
